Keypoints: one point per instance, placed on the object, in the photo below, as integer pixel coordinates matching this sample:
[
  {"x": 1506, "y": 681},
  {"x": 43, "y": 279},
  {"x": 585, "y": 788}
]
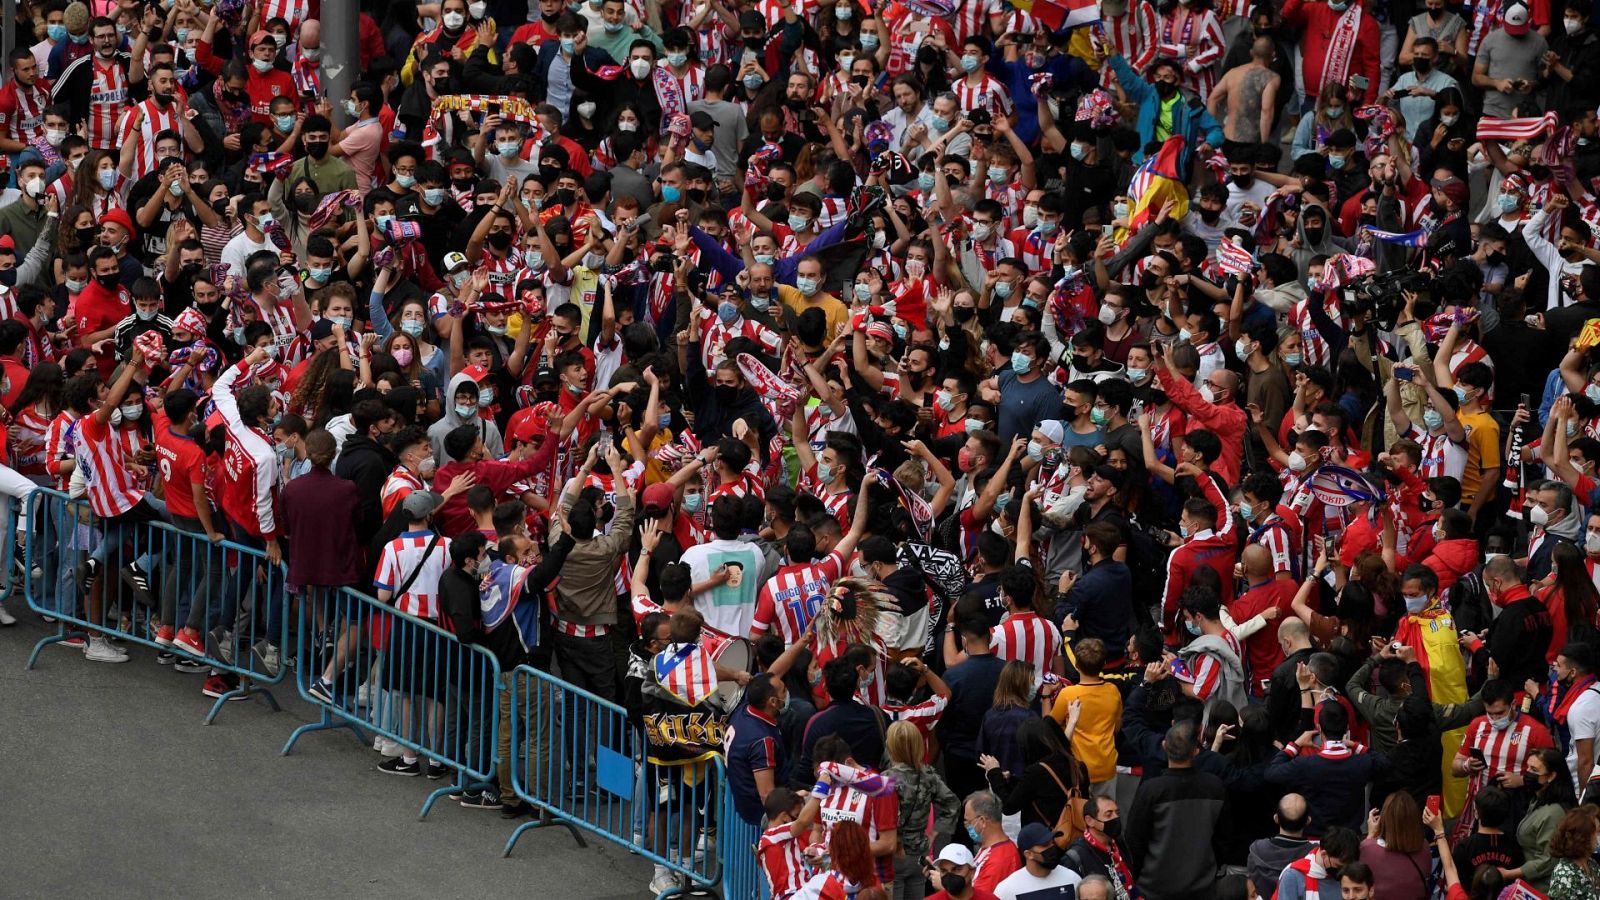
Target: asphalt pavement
[{"x": 111, "y": 786}]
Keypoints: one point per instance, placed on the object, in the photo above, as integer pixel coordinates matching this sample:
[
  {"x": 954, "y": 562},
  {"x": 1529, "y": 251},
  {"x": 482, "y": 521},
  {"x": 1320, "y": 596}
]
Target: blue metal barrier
[
  {"x": 401, "y": 677},
  {"x": 742, "y": 877},
  {"x": 230, "y": 594}
]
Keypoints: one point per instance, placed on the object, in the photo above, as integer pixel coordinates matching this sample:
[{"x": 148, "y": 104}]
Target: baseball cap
[
  {"x": 455, "y": 262},
  {"x": 1034, "y": 834},
  {"x": 702, "y": 120},
  {"x": 955, "y": 854},
  {"x": 657, "y": 499},
  {"x": 421, "y": 504},
  {"x": 1052, "y": 429},
  {"x": 321, "y": 328},
  {"x": 261, "y": 37},
  {"x": 477, "y": 373},
  {"x": 1515, "y": 17},
  {"x": 8, "y": 244},
  {"x": 546, "y": 375}
]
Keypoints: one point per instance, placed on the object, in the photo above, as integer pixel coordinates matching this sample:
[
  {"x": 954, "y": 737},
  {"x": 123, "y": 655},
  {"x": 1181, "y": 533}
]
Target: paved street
[{"x": 112, "y": 787}]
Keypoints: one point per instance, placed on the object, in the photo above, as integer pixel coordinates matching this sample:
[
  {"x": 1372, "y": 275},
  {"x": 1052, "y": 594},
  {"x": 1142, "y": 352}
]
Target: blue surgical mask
[
  {"x": 670, "y": 194},
  {"x": 798, "y": 223},
  {"x": 693, "y": 503},
  {"x": 1508, "y": 203},
  {"x": 969, "y": 63},
  {"x": 665, "y": 421},
  {"x": 1185, "y": 334},
  {"x": 938, "y": 123},
  {"x": 901, "y": 331},
  {"x": 753, "y": 82},
  {"x": 806, "y": 286},
  {"x": 1294, "y": 359},
  {"x": 1432, "y": 419},
  {"x": 1048, "y": 228},
  {"x": 1002, "y": 502},
  {"x": 1021, "y": 363},
  {"x": 727, "y": 312},
  {"x": 1119, "y": 210},
  {"x": 509, "y": 148},
  {"x": 842, "y": 12},
  {"x": 466, "y": 412},
  {"x": 1461, "y": 393},
  {"x": 971, "y": 425},
  {"x": 1592, "y": 391},
  {"x": 433, "y": 196},
  {"x": 1246, "y": 511},
  {"x": 766, "y": 259},
  {"x": 677, "y": 60},
  {"x": 108, "y": 178},
  {"x": 146, "y": 315},
  {"x": 760, "y": 302},
  {"x": 383, "y": 222},
  {"x": 1415, "y": 604},
  {"x": 925, "y": 181},
  {"x": 569, "y": 46},
  {"x": 863, "y": 292},
  {"x": 1003, "y": 289},
  {"x": 341, "y": 321},
  {"x": 999, "y": 174},
  {"x": 869, "y": 41},
  {"x": 1190, "y": 626},
  {"x": 284, "y": 124},
  {"x": 1136, "y": 374},
  {"x": 58, "y": 32},
  {"x": 412, "y": 327},
  {"x": 1077, "y": 151},
  {"x": 1183, "y": 530},
  {"x": 485, "y": 397},
  {"x": 1035, "y": 451},
  {"x": 1336, "y": 161},
  {"x": 322, "y": 275},
  {"x": 975, "y": 835},
  {"x": 824, "y": 472}
]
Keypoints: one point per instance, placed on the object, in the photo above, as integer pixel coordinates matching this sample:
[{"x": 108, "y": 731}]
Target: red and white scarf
[{"x": 1341, "y": 46}]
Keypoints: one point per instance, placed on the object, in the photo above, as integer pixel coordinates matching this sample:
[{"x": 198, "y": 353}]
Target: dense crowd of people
[{"x": 1042, "y": 448}]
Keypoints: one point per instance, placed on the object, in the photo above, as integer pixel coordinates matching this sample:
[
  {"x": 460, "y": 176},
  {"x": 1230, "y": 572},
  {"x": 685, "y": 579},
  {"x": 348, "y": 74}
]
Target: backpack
[{"x": 1070, "y": 823}]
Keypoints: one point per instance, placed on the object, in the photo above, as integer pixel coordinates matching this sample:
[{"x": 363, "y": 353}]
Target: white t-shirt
[
  {"x": 1583, "y": 718},
  {"x": 1022, "y": 882},
  {"x": 728, "y": 608},
  {"x": 241, "y": 248}
]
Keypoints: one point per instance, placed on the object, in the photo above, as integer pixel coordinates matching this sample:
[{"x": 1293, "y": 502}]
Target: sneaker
[
  {"x": 266, "y": 654},
  {"x": 6, "y": 618},
  {"x": 220, "y": 644},
  {"x": 75, "y": 642},
  {"x": 100, "y": 650},
  {"x": 216, "y": 686},
  {"x": 664, "y": 880},
  {"x": 164, "y": 635},
  {"x": 189, "y": 666},
  {"x": 387, "y": 747},
  {"x": 189, "y": 641},
  {"x": 516, "y": 810},
  {"x": 88, "y": 573},
  {"x": 399, "y": 766},
  {"x": 364, "y": 696},
  {"x": 321, "y": 690},
  {"x": 165, "y": 659},
  {"x": 481, "y": 800},
  {"x": 436, "y": 771},
  {"x": 137, "y": 581}
]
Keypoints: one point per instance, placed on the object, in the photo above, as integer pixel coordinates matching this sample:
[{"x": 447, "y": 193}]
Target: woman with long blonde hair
[{"x": 920, "y": 789}]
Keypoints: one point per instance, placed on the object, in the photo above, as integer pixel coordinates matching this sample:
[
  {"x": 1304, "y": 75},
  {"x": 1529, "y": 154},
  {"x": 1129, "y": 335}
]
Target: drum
[{"x": 734, "y": 655}]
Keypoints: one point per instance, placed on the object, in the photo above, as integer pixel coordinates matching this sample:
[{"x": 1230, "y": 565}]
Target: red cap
[
  {"x": 262, "y": 36},
  {"x": 120, "y": 216},
  {"x": 7, "y": 244},
  {"x": 476, "y": 373},
  {"x": 657, "y": 499}
]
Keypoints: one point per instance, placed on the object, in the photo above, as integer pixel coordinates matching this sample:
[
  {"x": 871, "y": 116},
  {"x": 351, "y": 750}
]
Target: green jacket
[{"x": 1380, "y": 709}]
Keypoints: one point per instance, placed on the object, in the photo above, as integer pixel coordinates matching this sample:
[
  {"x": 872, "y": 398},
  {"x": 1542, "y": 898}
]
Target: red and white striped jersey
[
  {"x": 790, "y": 598},
  {"x": 1033, "y": 248},
  {"x": 396, "y": 487},
  {"x": 22, "y": 109},
  {"x": 743, "y": 486},
  {"x": 503, "y": 272},
  {"x": 837, "y": 504},
  {"x": 1440, "y": 455},
  {"x": 103, "y": 457},
  {"x": 292, "y": 11},
  {"x": 403, "y": 556},
  {"x": 108, "y": 99},
  {"x": 99, "y": 204},
  {"x": 1132, "y": 34},
  {"x": 987, "y": 94},
  {"x": 1028, "y": 637},
  {"x": 1198, "y": 42},
  {"x": 1010, "y": 197},
  {"x": 28, "y": 450},
  {"x": 686, "y": 672},
  {"x": 820, "y": 420},
  {"x": 140, "y": 125},
  {"x": 692, "y": 83},
  {"x": 60, "y": 442},
  {"x": 781, "y": 860},
  {"x": 715, "y": 335},
  {"x": 1504, "y": 751},
  {"x": 1468, "y": 351},
  {"x": 1316, "y": 349},
  {"x": 972, "y": 18},
  {"x": 1277, "y": 534},
  {"x": 877, "y": 815},
  {"x": 1208, "y": 671},
  {"x": 923, "y": 715}
]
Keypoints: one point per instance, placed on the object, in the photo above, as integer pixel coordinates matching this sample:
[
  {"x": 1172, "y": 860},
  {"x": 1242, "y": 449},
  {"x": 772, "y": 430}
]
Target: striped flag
[
  {"x": 1418, "y": 238},
  {"x": 687, "y": 673},
  {"x": 1233, "y": 259},
  {"x": 1521, "y": 890},
  {"x": 1155, "y": 182},
  {"x": 1061, "y": 14},
  {"x": 1526, "y": 129}
]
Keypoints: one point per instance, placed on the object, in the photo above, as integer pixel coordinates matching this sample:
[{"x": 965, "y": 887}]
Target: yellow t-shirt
[
  {"x": 1095, "y": 739},
  {"x": 1483, "y": 452},
  {"x": 838, "y": 314}
]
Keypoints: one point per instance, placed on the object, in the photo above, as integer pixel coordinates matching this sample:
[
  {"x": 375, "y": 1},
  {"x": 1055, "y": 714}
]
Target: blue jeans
[{"x": 249, "y": 588}]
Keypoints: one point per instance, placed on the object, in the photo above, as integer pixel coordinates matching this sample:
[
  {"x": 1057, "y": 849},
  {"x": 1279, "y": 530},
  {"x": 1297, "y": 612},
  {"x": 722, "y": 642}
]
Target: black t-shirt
[
  {"x": 151, "y": 243},
  {"x": 1487, "y": 849},
  {"x": 437, "y": 227}
]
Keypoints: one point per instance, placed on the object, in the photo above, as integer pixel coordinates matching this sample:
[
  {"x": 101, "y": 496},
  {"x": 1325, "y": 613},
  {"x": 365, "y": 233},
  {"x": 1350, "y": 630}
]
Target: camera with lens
[{"x": 1381, "y": 296}]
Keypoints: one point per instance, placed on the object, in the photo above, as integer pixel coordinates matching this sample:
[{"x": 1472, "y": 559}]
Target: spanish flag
[
  {"x": 1433, "y": 633},
  {"x": 1154, "y": 183}
]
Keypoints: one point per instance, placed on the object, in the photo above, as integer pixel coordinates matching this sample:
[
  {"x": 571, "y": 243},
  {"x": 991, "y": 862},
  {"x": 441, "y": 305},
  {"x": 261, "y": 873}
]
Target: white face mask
[
  {"x": 454, "y": 20},
  {"x": 1538, "y": 516},
  {"x": 1297, "y": 462},
  {"x": 639, "y": 67},
  {"x": 1591, "y": 542},
  {"x": 586, "y": 109}
]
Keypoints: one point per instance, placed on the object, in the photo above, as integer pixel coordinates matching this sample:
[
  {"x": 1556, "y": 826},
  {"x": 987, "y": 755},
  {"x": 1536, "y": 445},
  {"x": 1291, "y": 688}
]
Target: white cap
[
  {"x": 1052, "y": 429},
  {"x": 453, "y": 261},
  {"x": 955, "y": 854}
]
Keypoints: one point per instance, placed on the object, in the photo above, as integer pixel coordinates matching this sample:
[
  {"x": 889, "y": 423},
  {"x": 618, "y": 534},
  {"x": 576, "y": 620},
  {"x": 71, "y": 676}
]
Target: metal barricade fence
[
  {"x": 576, "y": 756},
  {"x": 742, "y": 878},
  {"x": 401, "y": 677},
  {"x": 127, "y": 580}
]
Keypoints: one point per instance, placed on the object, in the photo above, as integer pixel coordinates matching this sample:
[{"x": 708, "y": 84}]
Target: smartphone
[
  {"x": 1523, "y": 400},
  {"x": 492, "y": 109},
  {"x": 1403, "y": 373},
  {"x": 1477, "y": 754},
  {"x": 1433, "y": 803},
  {"x": 1360, "y": 82}
]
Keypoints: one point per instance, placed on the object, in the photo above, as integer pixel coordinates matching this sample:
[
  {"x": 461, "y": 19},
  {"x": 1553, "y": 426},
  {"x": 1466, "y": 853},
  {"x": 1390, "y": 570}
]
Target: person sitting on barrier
[
  {"x": 510, "y": 601},
  {"x": 790, "y": 818},
  {"x": 862, "y": 796},
  {"x": 408, "y": 578}
]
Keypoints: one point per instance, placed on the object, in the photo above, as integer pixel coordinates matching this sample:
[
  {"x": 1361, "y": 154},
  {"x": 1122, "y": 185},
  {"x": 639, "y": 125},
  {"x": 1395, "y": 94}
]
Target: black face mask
[
  {"x": 1436, "y": 13},
  {"x": 1209, "y": 216},
  {"x": 190, "y": 270},
  {"x": 775, "y": 192},
  {"x": 915, "y": 379},
  {"x": 1262, "y": 32},
  {"x": 317, "y": 149},
  {"x": 305, "y": 202},
  {"x": 463, "y": 184},
  {"x": 1080, "y": 362},
  {"x": 1242, "y": 181},
  {"x": 1113, "y": 828},
  {"x": 697, "y": 196},
  {"x": 86, "y": 236},
  {"x": 236, "y": 96},
  {"x": 109, "y": 282},
  {"x": 1166, "y": 89},
  {"x": 952, "y": 883},
  {"x": 725, "y": 394},
  {"x": 500, "y": 240},
  {"x": 1334, "y": 872},
  {"x": 1051, "y": 856},
  {"x": 1496, "y": 258},
  {"x": 1314, "y": 235},
  {"x": 1421, "y": 66},
  {"x": 793, "y": 104},
  {"x": 964, "y": 314},
  {"x": 566, "y": 198},
  {"x": 1149, "y": 280}
]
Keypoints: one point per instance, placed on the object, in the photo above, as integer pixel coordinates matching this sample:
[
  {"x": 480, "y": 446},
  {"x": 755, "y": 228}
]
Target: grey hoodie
[
  {"x": 1231, "y": 682},
  {"x": 1328, "y": 246},
  {"x": 492, "y": 445}
]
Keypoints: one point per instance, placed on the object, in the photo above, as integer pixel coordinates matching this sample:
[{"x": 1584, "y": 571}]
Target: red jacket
[
  {"x": 454, "y": 517},
  {"x": 1215, "y": 548},
  {"x": 1262, "y": 648},
  {"x": 1317, "y": 21},
  {"x": 1452, "y": 559},
  {"x": 249, "y": 465},
  {"x": 1227, "y": 422}
]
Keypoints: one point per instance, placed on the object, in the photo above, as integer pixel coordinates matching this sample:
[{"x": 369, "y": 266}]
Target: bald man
[
  {"x": 1269, "y": 597},
  {"x": 1095, "y": 887},
  {"x": 1269, "y": 856},
  {"x": 1283, "y": 694},
  {"x": 1251, "y": 94}
]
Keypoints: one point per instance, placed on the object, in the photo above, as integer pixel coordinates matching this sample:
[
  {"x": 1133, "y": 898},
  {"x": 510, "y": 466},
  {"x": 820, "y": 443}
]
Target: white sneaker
[
  {"x": 387, "y": 747},
  {"x": 7, "y": 618},
  {"x": 100, "y": 650},
  {"x": 665, "y": 880}
]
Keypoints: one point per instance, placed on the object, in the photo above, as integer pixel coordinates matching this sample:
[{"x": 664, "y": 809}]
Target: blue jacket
[
  {"x": 1101, "y": 602},
  {"x": 1189, "y": 116},
  {"x": 716, "y": 257},
  {"x": 1066, "y": 70}
]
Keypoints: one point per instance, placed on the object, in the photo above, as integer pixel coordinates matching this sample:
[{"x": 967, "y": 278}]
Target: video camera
[{"x": 1381, "y": 296}]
